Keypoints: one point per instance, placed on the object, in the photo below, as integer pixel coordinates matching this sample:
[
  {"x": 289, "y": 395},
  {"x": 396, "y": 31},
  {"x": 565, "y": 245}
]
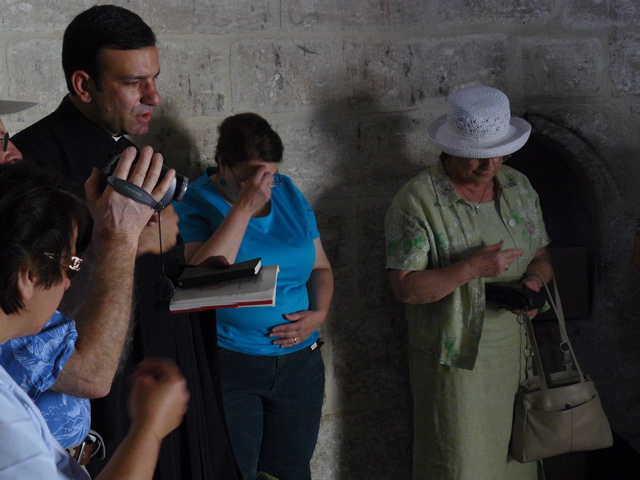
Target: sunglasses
[{"x": 73, "y": 264}]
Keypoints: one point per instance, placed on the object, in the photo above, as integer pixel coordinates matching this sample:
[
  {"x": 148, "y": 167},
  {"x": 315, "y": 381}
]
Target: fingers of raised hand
[
  {"x": 146, "y": 171},
  {"x": 164, "y": 185},
  {"x": 264, "y": 175},
  {"x": 149, "y": 172},
  {"x": 124, "y": 164},
  {"x": 261, "y": 179}
]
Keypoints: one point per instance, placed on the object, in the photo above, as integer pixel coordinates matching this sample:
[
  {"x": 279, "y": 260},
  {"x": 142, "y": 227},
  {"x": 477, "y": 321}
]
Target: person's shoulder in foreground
[
  {"x": 37, "y": 252},
  {"x": 27, "y": 449}
]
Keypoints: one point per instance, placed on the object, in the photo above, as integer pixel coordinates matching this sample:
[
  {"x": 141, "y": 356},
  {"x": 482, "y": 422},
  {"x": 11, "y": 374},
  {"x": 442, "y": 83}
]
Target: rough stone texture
[
  {"x": 625, "y": 64},
  {"x": 590, "y": 14},
  {"x": 212, "y": 17},
  {"x": 351, "y": 87},
  {"x": 369, "y": 445},
  {"x": 282, "y": 75},
  {"x": 199, "y": 89},
  {"x": 395, "y": 149},
  {"x": 36, "y": 63},
  {"x": 406, "y": 73},
  {"x": 36, "y": 16},
  {"x": 467, "y": 12},
  {"x": 373, "y": 285},
  {"x": 323, "y": 15},
  {"x": 337, "y": 235},
  {"x": 561, "y": 68},
  {"x": 603, "y": 127},
  {"x": 352, "y": 158},
  {"x": 185, "y": 147},
  {"x": 323, "y": 159}
]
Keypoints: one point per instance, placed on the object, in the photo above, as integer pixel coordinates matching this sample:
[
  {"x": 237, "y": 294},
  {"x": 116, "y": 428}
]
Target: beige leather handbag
[{"x": 559, "y": 412}]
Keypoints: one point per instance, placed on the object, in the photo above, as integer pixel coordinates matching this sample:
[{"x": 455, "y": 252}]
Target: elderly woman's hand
[
  {"x": 491, "y": 261},
  {"x": 540, "y": 267},
  {"x": 532, "y": 283}
]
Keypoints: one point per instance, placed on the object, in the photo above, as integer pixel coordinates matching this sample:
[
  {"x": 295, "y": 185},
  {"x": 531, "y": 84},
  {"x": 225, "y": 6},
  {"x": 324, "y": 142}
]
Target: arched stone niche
[
  {"x": 589, "y": 220},
  {"x": 576, "y": 194}
]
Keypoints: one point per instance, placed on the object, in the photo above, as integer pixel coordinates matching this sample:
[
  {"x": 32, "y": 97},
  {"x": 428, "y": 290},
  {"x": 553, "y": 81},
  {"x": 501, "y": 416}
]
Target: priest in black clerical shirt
[{"x": 111, "y": 65}]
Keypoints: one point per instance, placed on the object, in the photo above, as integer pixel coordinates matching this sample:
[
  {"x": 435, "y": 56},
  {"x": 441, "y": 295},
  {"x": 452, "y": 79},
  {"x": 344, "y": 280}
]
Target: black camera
[{"x": 176, "y": 191}]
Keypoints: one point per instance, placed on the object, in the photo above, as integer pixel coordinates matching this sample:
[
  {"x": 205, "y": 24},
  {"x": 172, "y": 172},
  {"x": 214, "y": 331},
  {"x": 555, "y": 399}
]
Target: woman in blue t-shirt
[{"x": 271, "y": 368}]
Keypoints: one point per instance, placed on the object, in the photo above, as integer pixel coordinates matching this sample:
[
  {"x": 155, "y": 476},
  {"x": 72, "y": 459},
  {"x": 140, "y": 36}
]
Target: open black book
[{"x": 195, "y": 276}]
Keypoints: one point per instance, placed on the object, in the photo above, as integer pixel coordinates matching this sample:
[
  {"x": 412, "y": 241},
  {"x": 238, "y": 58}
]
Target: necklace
[{"x": 476, "y": 207}]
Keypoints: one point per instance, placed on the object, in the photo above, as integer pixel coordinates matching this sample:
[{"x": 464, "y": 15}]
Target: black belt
[{"x": 318, "y": 343}]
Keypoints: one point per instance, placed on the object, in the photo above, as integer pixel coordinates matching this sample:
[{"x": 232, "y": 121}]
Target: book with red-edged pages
[{"x": 252, "y": 291}]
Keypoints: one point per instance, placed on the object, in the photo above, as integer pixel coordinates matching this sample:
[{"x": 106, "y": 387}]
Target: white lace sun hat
[
  {"x": 479, "y": 125},
  {"x": 11, "y": 106}
]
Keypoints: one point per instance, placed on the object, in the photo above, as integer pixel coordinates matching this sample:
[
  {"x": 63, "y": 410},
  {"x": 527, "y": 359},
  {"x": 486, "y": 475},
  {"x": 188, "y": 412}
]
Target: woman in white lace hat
[
  {"x": 8, "y": 151},
  {"x": 466, "y": 220}
]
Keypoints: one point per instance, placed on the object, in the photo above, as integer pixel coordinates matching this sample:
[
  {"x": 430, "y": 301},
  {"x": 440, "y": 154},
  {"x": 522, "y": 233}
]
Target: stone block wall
[{"x": 351, "y": 87}]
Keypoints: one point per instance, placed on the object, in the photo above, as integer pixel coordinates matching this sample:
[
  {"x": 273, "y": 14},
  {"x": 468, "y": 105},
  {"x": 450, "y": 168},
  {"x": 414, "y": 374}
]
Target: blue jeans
[{"x": 273, "y": 407}]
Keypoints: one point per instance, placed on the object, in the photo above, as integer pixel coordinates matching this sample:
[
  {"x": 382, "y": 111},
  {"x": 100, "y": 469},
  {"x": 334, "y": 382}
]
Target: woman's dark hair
[
  {"x": 247, "y": 136},
  {"x": 99, "y": 27},
  {"x": 38, "y": 215}
]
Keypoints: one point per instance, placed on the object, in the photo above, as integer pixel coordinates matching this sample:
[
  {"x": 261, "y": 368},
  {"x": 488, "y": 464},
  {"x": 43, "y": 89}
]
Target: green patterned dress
[{"x": 465, "y": 359}]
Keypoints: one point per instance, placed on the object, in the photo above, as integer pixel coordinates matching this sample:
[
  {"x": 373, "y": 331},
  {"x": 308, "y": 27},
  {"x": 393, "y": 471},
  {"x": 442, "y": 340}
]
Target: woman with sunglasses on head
[
  {"x": 466, "y": 221},
  {"x": 271, "y": 368},
  {"x": 40, "y": 222}
]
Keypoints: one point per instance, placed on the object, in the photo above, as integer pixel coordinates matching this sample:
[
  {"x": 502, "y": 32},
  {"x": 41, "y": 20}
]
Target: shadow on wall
[
  {"x": 177, "y": 145},
  {"x": 366, "y": 430}
]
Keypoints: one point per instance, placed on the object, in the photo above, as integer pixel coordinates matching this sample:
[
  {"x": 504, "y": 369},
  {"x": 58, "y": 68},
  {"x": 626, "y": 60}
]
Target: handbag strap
[
  {"x": 532, "y": 354},
  {"x": 570, "y": 360}
]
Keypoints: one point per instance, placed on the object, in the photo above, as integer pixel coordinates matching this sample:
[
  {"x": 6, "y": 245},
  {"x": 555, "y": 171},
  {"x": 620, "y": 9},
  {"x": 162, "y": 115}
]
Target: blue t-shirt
[
  {"x": 35, "y": 363},
  {"x": 284, "y": 237}
]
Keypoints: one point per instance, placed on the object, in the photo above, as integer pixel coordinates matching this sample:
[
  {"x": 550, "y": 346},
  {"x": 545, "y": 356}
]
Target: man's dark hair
[
  {"x": 38, "y": 215},
  {"x": 247, "y": 136},
  {"x": 99, "y": 27}
]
